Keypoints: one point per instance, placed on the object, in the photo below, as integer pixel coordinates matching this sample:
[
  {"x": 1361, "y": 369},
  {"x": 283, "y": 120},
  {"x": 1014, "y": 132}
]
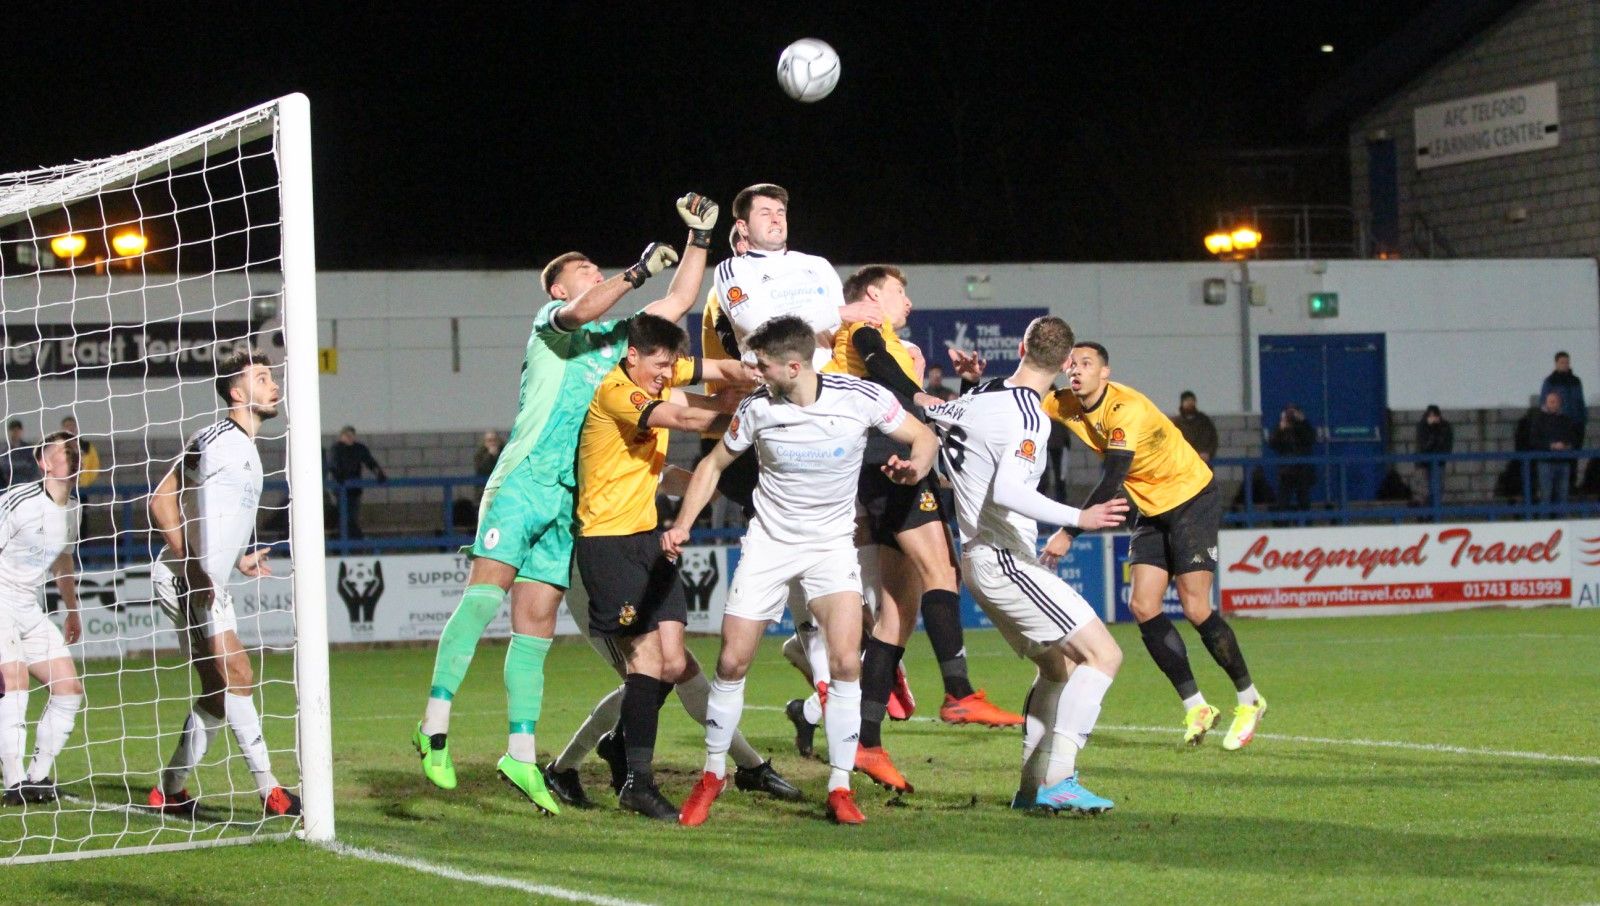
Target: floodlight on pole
[
  {"x": 129, "y": 243},
  {"x": 68, "y": 246}
]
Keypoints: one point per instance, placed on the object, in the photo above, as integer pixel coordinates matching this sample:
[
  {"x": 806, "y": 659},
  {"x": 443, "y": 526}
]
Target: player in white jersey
[
  {"x": 993, "y": 452},
  {"x": 810, "y": 431},
  {"x": 205, "y": 509},
  {"x": 38, "y": 529},
  {"x": 770, "y": 280}
]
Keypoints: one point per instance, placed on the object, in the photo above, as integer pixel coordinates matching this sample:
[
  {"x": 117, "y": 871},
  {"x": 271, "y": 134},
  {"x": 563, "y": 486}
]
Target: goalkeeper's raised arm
[{"x": 597, "y": 295}]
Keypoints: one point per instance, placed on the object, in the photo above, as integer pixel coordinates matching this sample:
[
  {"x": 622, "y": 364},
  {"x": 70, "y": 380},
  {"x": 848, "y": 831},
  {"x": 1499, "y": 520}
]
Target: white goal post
[{"x": 122, "y": 280}]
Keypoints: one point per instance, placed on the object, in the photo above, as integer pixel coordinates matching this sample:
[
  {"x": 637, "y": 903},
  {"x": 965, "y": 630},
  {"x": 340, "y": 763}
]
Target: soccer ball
[{"x": 808, "y": 70}]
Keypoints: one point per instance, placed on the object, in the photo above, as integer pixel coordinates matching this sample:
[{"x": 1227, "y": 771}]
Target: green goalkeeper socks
[
  {"x": 524, "y": 691},
  {"x": 477, "y": 609}
]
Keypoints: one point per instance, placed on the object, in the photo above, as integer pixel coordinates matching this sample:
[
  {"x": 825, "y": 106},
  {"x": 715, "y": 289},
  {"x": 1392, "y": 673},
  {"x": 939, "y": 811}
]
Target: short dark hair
[
  {"x": 1186, "y": 395},
  {"x": 552, "y": 271},
  {"x": 1105, "y": 357},
  {"x": 856, "y": 285},
  {"x": 747, "y": 197},
  {"x": 1047, "y": 342},
  {"x": 231, "y": 365},
  {"x": 68, "y": 440},
  {"x": 650, "y": 334},
  {"x": 1563, "y": 355},
  {"x": 787, "y": 338}
]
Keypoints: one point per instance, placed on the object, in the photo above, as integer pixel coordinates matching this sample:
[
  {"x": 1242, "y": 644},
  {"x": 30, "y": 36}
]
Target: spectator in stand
[
  {"x": 88, "y": 455},
  {"x": 345, "y": 460},
  {"x": 1434, "y": 436},
  {"x": 487, "y": 455},
  {"x": 1551, "y": 429},
  {"x": 1294, "y": 437},
  {"x": 1566, "y": 385},
  {"x": 1196, "y": 426},
  {"x": 933, "y": 384},
  {"x": 20, "y": 467}
]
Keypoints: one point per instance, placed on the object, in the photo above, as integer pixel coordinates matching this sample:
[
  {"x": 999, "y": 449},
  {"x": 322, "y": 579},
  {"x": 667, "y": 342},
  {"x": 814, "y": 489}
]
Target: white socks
[
  {"x": 1196, "y": 699},
  {"x": 816, "y": 652},
  {"x": 844, "y": 731},
  {"x": 246, "y": 725},
  {"x": 436, "y": 717},
  {"x": 1076, "y": 713},
  {"x": 13, "y": 734},
  {"x": 50, "y": 736},
  {"x": 601, "y": 720},
  {"x": 1248, "y": 696},
  {"x": 1037, "y": 740},
  {"x": 694, "y": 694},
  {"x": 198, "y": 731},
  {"x": 724, "y": 707}
]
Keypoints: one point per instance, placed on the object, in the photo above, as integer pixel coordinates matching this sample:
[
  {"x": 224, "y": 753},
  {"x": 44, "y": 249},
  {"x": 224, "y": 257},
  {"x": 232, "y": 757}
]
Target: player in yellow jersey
[
  {"x": 1174, "y": 531},
  {"x": 637, "y": 609}
]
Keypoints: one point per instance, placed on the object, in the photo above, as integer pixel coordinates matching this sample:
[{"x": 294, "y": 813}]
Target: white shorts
[
  {"x": 27, "y": 635},
  {"x": 195, "y": 629},
  {"x": 1029, "y": 604},
  {"x": 766, "y": 568}
]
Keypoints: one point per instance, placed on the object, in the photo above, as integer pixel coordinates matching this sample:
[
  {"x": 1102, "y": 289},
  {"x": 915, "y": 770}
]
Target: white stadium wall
[{"x": 1464, "y": 334}]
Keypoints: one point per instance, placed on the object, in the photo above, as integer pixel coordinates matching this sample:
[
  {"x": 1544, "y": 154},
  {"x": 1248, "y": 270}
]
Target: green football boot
[
  {"x": 529, "y": 781},
  {"x": 435, "y": 753}
]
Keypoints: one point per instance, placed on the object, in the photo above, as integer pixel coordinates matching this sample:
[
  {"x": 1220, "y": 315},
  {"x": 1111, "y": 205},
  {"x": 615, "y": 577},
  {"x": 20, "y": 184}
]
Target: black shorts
[
  {"x": 1181, "y": 540},
  {"x": 632, "y": 585},
  {"x": 738, "y": 481},
  {"x": 894, "y": 508}
]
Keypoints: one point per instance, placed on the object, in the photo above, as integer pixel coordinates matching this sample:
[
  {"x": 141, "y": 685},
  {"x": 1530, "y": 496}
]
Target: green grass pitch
[{"x": 1428, "y": 759}]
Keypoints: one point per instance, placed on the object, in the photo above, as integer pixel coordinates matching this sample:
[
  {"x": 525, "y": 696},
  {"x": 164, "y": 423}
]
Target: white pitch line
[{"x": 483, "y": 880}]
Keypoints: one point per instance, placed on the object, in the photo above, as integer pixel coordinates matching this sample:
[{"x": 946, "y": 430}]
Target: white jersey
[
  {"x": 34, "y": 530},
  {"x": 811, "y": 456},
  {"x": 993, "y": 430},
  {"x": 758, "y": 286},
  {"x": 222, "y": 475}
]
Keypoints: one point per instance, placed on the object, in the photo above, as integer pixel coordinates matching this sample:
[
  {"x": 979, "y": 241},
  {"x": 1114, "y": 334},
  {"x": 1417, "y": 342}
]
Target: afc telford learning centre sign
[{"x": 1487, "y": 125}]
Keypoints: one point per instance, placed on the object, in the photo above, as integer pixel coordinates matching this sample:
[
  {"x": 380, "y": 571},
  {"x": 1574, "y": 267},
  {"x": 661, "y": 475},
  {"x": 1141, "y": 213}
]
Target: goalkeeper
[{"x": 524, "y": 540}]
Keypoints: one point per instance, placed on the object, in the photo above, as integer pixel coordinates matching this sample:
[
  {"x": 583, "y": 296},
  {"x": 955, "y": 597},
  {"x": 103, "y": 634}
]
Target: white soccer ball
[{"x": 808, "y": 70}]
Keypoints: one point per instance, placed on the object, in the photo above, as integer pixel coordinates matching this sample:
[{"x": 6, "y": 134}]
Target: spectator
[
  {"x": 1294, "y": 437},
  {"x": 345, "y": 461},
  {"x": 933, "y": 384},
  {"x": 1509, "y": 484},
  {"x": 1551, "y": 429},
  {"x": 1569, "y": 389},
  {"x": 88, "y": 455},
  {"x": 20, "y": 467},
  {"x": 488, "y": 453},
  {"x": 1196, "y": 426},
  {"x": 1434, "y": 436}
]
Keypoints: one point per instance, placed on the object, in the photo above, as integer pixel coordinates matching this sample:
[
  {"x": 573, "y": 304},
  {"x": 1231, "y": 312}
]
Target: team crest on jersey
[
  {"x": 1027, "y": 450},
  {"x": 735, "y": 296},
  {"x": 639, "y": 400},
  {"x": 733, "y": 427},
  {"x": 627, "y": 615},
  {"x": 1117, "y": 438},
  {"x": 927, "y": 503},
  {"x": 490, "y": 539}
]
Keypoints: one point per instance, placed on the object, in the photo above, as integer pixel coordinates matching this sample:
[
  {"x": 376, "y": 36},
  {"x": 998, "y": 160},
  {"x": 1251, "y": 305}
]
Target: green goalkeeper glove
[
  {"x": 657, "y": 257},
  {"x": 700, "y": 213}
]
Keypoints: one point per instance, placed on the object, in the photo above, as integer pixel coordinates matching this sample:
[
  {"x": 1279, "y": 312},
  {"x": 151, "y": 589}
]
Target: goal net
[{"x": 123, "y": 281}]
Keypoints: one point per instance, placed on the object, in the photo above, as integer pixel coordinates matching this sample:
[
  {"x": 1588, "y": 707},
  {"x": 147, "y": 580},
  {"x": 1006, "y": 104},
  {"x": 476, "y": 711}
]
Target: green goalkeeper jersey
[{"x": 559, "y": 377}]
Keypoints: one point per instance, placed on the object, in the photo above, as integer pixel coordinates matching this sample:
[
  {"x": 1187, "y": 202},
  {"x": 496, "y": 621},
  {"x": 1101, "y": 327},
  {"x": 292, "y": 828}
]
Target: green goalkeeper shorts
[{"x": 528, "y": 525}]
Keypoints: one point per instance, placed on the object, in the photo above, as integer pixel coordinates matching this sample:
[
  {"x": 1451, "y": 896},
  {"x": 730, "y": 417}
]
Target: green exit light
[{"x": 1323, "y": 305}]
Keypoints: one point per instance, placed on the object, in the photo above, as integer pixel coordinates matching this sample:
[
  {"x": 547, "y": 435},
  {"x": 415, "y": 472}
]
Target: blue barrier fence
[{"x": 129, "y": 540}]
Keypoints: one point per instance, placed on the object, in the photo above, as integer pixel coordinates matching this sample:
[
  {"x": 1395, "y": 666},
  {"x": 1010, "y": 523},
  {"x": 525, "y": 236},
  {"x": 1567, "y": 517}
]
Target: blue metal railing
[{"x": 131, "y": 541}]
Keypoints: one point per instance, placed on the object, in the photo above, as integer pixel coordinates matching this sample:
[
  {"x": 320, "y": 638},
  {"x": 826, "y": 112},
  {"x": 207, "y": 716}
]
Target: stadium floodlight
[
  {"x": 68, "y": 246},
  {"x": 133, "y": 357}
]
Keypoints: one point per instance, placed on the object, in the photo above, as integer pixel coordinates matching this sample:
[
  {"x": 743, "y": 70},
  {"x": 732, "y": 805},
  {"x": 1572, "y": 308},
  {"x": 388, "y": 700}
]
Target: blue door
[{"x": 1340, "y": 382}]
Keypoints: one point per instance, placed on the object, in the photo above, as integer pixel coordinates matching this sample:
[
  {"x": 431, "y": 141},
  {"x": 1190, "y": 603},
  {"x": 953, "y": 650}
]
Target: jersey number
[{"x": 952, "y": 449}]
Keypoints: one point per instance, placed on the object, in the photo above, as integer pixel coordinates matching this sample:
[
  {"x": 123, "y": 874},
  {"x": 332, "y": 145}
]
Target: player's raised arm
[
  {"x": 595, "y": 301},
  {"x": 699, "y": 213},
  {"x": 702, "y": 486}
]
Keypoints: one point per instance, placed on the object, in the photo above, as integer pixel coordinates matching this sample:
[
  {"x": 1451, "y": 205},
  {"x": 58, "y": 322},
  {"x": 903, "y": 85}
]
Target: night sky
[{"x": 459, "y": 136}]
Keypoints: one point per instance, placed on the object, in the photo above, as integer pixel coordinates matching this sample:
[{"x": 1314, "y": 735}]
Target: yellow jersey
[
  {"x": 711, "y": 345},
  {"x": 619, "y": 460},
  {"x": 846, "y": 360},
  {"x": 1166, "y": 471}
]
